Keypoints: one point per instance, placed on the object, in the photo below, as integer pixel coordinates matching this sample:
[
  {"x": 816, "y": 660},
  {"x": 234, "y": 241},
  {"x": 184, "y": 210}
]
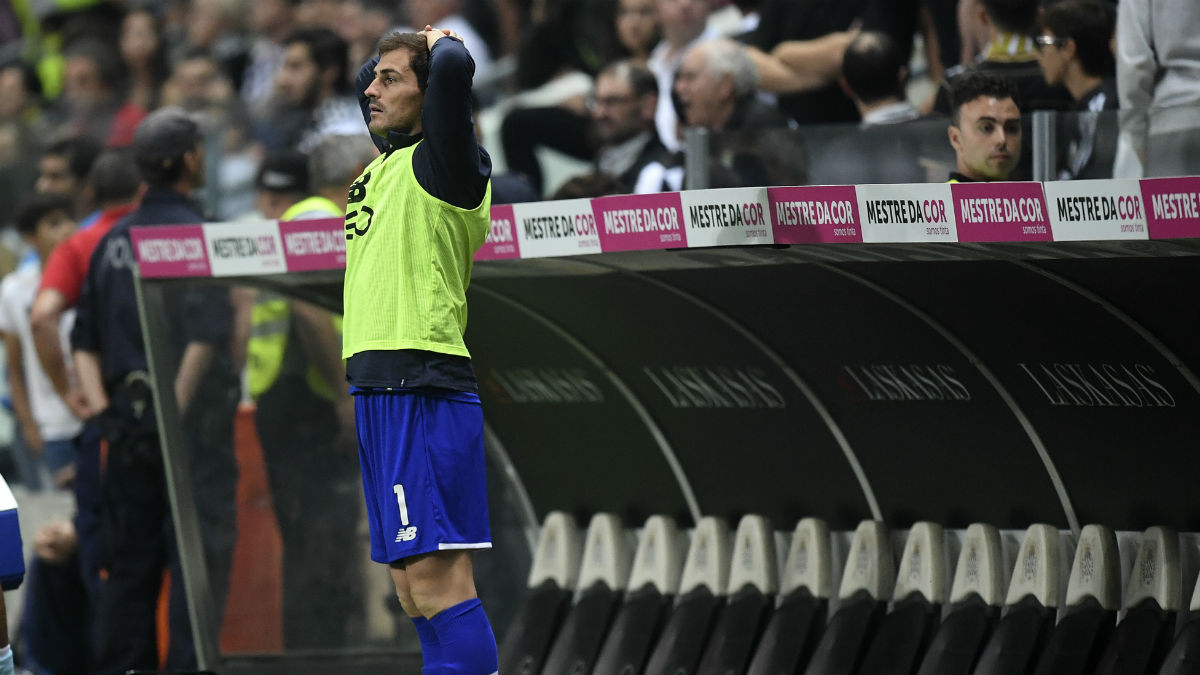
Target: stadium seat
[
  {"x": 1184, "y": 656},
  {"x": 1093, "y": 598},
  {"x": 12, "y": 559},
  {"x": 920, "y": 592},
  {"x": 702, "y": 591},
  {"x": 1152, "y": 599},
  {"x": 551, "y": 584},
  {"x": 753, "y": 583},
  {"x": 1031, "y": 604},
  {"x": 975, "y": 601},
  {"x": 653, "y": 584},
  {"x": 607, "y": 557},
  {"x": 867, "y": 582},
  {"x": 799, "y": 620}
]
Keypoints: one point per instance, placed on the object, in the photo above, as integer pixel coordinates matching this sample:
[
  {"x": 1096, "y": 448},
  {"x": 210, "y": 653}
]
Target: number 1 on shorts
[{"x": 399, "y": 490}]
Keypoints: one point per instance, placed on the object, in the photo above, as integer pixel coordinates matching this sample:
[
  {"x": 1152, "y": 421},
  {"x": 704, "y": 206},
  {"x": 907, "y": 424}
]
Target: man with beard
[
  {"x": 312, "y": 84},
  {"x": 619, "y": 135}
]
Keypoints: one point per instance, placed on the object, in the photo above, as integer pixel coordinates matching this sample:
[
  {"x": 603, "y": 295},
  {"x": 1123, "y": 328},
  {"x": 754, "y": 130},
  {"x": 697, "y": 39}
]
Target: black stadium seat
[
  {"x": 654, "y": 581},
  {"x": 607, "y": 557},
  {"x": 920, "y": 592},
  {"x": 1031, "y": 605},
  {"x": 867, "y": 582},
  {"x": 975, "y": 600},
  {"x": 753, "y": 583},
  {"x": 702, "y": 593},
  {"x": 1184, "y": 657},
  {"x": 551, "y": 585},
  {"x": 799, "y": 620},
  {"x": 1093, "y": 598},
  {"x": 1152, "y": 599}
]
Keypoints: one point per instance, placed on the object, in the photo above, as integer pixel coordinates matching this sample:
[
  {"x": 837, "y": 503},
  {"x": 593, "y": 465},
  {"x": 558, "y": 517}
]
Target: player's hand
[
  {"x": 55, "y": 542},
  {"x": 432, "y": 35}
]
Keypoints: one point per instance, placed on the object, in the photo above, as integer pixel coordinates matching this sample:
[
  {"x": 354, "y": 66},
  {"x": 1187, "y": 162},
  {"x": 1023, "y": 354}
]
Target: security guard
[
  {"x": 305, "y": 421},
  {"x": 110, "y": 357}
]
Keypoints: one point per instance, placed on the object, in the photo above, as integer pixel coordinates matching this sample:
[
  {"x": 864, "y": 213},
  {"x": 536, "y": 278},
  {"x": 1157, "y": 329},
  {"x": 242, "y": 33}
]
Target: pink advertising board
[
  {"x": 1172, "y": 207},
  {"x": 314, "y": 244},
  {"x": 166, "y": 251},
  {"x": 1001, "y": 212},
  {"x": 501, "y": 242},
  {"x": 815, "y": 214},
  {"x": 640, "y": 222}
]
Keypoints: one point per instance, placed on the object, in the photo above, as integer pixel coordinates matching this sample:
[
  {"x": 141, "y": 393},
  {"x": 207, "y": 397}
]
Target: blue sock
[
  {"x": 431, "y": 653},
  {"x": 468, "y": 646}
]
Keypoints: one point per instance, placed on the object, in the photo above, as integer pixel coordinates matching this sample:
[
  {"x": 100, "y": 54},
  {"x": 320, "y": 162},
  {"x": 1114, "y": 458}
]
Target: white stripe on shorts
[{"x": 455, "y": 547}]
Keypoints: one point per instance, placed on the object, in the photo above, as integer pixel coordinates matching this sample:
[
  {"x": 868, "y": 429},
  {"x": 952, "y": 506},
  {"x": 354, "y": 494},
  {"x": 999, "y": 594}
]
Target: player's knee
[{"x": 408, "y": 603}]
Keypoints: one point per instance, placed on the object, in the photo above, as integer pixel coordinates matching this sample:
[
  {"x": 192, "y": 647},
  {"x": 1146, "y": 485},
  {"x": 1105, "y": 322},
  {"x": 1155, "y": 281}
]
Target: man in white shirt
[{"x": 683, "y": 22}]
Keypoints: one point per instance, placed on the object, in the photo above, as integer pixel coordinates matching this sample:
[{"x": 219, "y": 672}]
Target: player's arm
[
  {"x": 365, "y": 76},
  {"x": 45, "y": 318},
  {"x": 20, "y": 393},
  {"x": 197, "y": 356},
  {"x": 450, "y": 164}
]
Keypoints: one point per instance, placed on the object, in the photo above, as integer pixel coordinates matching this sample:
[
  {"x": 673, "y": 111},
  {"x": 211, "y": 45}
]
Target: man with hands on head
[{"x": 414, "y": 219}]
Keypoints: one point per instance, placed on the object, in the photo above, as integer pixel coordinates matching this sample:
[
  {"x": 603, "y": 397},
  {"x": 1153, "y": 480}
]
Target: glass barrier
[{"x": 265, "y": 476}]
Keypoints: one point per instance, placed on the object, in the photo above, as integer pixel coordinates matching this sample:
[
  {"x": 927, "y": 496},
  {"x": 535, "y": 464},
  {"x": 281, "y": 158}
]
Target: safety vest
[{"x": 267, "y": 355}]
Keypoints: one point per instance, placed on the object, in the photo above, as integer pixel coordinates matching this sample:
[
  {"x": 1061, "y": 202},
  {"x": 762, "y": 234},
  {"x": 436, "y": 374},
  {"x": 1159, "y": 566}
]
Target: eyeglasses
[
  {"x": 1042, "y": 41},
  {"x": 595, "y": 102}
]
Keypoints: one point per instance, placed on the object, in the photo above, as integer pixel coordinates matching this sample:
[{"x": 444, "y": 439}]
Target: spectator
[
  {"x": 1074, "y": 51},
  {"x": 47, "y": 426},
  {"x": 638, "y": 29},
  {"x": 20, "y": 94},
  {"x": 1158, "y": 58},
  {"x": 567, "y": 36},
  {"x": 212, "y": 28},
  {"x": 590, "y": 186},
  {"x": 874, "y": 72},
  {"x": 92, "y": 103},
  {"x": 683, "y": 23},
  {"x": 985, "y": 128},
  {"x": 362, "y": 24},
  {"x": 271, "y": 21},
  {"x": 335, "y": 162},
  {"x": 619, "y": 138},
  {"x": 144, "y": 54},
  {"x": 1010, "y": 54},
  {"x": 23, "y": 131},
  {"x": 113, "y": 370},
  {"x": 65, "y": 166},
  {"x": 313, "y": 85},
  {"x": 305, "y": 420}
]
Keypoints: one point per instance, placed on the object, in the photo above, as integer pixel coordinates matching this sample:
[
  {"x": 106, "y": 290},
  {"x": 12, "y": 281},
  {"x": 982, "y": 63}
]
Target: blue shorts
[{"x": 423, "y": 471}]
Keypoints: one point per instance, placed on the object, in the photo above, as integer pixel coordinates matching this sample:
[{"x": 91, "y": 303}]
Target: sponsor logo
[
  {"x": 729, "y": 387},
  {"x": 544, "y": 385},
  {"x": 406, "y": 534},
  {"x": 1099, "y": 385},
  {"x": 243, "y": 247},
  {"x": 905, "y": 382}
]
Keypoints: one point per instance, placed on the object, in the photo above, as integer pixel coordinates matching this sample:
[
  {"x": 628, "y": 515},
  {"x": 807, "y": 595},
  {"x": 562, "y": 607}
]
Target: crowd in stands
[{"x": 619, "y": 90}]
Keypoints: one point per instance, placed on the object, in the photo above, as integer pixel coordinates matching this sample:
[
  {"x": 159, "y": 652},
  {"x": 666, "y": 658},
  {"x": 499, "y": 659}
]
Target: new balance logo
[{"x": 406, "y": 534}]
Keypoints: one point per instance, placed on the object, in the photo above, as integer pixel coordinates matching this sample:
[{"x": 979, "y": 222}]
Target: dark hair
[
  {"x": 640, "y": 80},
  {"x": 29, "y": 76},
  {"x": 1013, "y": 16},
  {"x": 1090, "y": 23},
  {"x": 328, "y": 50},
  {"x": 38, "y": 206},
  {"x": 417, "y": 46},
  {"x": 872, "y": 65},
  {"x": 80, "y": 153},
  {"x": 974, "y": 84},
  {"x": 590, "y": 185},
  {"x": 114, "y": 178},
  {"x": 108, "y": 61}
]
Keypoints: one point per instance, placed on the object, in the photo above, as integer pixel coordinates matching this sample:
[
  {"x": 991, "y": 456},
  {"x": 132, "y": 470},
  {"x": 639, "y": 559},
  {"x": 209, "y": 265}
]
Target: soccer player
[
  {"x": 414, "y": 220},
  {"x": 985, "y": 128}
]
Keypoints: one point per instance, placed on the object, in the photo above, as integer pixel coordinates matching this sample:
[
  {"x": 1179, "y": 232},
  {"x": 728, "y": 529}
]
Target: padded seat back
[
  {"x": 867, "y": 582},
  {"x": 702, "y": 592},
  {"x": 1152, "y": 599},
  {"x": 753, "y": 585},
  {"x": 1093, "y": 598},
  {"x": 1031, "y": 605},
  {"x": 552, "y": 581},
  {"x": 798, "y": 622},
  {"x": 12, "y": 557},
  {"x": 920, "y": 592},
  {"x": 975, "y": 600},
  {"x": 654, "y": 581},
  {"x": 607, "y": 557}
]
